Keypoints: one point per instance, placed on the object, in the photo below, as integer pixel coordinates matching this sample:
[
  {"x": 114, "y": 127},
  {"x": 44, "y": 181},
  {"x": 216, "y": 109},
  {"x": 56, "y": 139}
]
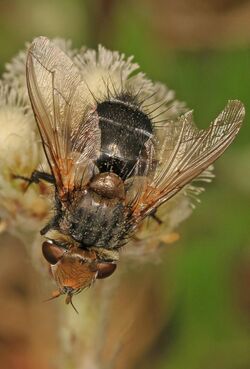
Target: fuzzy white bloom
[
  {"x": 21, "y": 210},
  {"x": 14, "y": 74},
  {"x": 104, "y": 72},
  {"x": 110, "y": 73}
]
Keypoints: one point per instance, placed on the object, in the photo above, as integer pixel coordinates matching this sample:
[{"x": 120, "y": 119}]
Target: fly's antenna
[
  {"x": 55, "y": 294},
  {"x": 69, "y": 301}
]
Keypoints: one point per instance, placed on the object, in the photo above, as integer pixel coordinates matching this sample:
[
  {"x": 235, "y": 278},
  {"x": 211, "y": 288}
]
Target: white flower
[
  {"x": 105, "y": 73},
  {"x": 110, "y": 73},
  {"x": 20, "y": 154},
  {"x": 14, "y": 74}
]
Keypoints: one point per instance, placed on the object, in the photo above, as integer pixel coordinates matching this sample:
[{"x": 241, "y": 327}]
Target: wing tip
[
  {"x": 38, "y": 44},
  {"x": 237, "y": 106},
  {"x": 230, "y": 119},
  {"x": 40, "y": 39}
]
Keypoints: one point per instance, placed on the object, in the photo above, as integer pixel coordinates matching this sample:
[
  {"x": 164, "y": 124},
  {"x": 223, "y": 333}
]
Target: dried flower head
[
  {"x": 106, "y": 75},
  {"x": 21, "y": 152},
  {"x": 23, "y": 209}
]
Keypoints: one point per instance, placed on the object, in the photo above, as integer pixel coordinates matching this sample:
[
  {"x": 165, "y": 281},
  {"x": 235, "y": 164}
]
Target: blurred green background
[{"x": 202, "y": 51}]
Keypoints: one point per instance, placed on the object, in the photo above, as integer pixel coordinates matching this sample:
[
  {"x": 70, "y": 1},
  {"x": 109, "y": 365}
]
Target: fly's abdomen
[{"x": 125, "y": 129}]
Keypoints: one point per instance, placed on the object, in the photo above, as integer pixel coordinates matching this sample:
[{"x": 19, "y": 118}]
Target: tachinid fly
[{"x": 114, "y": 159}]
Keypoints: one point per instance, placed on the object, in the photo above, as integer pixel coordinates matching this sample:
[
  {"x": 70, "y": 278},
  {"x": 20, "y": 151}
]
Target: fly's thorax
[
  {"x": 96, "y": 216},
  {"x": 108, "y": 185}
]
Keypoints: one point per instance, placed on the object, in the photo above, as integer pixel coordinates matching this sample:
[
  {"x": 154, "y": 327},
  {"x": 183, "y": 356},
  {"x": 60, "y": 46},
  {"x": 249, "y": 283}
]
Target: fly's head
[{"x": 74, "y": 268}]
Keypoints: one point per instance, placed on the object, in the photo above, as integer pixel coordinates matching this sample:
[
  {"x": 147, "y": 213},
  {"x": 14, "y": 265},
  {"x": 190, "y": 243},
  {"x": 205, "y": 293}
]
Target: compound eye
[
  {"x": 52, "y": 252},
  {"x": 104, "y": 270}
]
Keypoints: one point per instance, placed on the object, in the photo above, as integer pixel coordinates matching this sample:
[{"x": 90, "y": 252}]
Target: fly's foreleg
[{"x": 36, "y": 177}]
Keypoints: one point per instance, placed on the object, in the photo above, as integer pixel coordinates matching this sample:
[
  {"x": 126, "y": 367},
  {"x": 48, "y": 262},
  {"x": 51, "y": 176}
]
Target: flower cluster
[{"x": 23, "y": 208}]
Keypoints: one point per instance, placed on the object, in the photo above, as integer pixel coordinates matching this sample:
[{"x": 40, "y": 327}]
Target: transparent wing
[
  {"x": 186, "y": 152},
  {"x": 68, "y": 129}
]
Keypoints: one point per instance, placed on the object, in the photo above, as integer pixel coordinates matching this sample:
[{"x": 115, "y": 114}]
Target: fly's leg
[
  {"x": 155, "y": 217},
  {"x": 36, "y": 177}
]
